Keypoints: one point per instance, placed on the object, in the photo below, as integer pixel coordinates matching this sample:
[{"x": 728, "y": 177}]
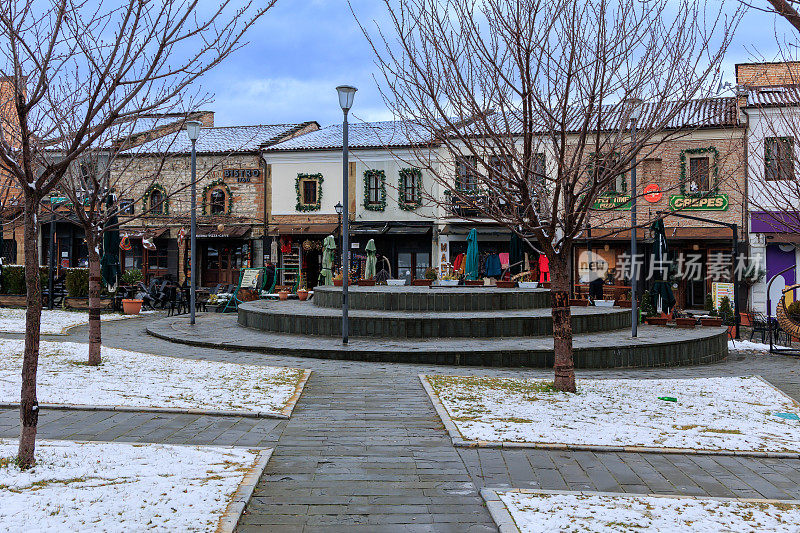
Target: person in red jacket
[{"x": 544, "y": 269}]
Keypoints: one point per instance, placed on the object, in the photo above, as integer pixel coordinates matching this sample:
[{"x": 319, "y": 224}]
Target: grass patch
[{"x": 727, "y": 431}]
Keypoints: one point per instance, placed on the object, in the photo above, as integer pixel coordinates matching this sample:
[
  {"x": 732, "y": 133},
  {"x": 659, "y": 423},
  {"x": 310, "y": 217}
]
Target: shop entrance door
[{"x": 217, "y": 262}]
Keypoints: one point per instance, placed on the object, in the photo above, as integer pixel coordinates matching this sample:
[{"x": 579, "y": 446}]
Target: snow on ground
[
  {"x": 730, "y": 413},
  {"x": 747, "y": 345},
  {"x": 543, "y": 512},
  {"x": 119, "y": 487},
  {"x": 135, "y": 379},
  {"x": 55, "y": 322}
]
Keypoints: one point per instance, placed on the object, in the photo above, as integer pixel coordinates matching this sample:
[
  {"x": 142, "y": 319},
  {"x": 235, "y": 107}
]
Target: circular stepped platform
[
  {"x": 436, "y": 299},
  {"x": 306, "y": 318},
  {"x": 656, "y": 346}
]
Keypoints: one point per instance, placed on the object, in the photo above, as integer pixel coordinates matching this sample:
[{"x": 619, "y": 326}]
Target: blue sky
[{"x": 302, "y": 49}]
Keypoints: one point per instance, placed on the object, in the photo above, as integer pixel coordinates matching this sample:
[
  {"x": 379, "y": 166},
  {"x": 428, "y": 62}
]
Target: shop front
[
  {"x": 403, "y": 248},
  {"x": 299, "y": 251},
  {"x": 223, "y": 252},
  {"x": 151, "y": 251}
]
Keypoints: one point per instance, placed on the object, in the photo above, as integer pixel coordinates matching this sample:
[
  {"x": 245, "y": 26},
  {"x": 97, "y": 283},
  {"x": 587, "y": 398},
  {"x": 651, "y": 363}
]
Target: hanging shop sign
[
  {"x": 652, "y": 193},
  {"x": 611, "y": 201},
  {"x": 717, "y": 202}
]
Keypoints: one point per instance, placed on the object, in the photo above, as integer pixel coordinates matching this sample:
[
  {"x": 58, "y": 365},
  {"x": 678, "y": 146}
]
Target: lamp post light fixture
[
  {"x": 346, "y": 95},
  {"x": 635, "y": 110},
  {"x": 193, "y": 132}
]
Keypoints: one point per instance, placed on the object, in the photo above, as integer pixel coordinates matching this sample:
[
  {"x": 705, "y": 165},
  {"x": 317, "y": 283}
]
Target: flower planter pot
[
  {"x": 657, "y": 320},
  {"x": 395, "y": 282},
  {"x": 366, "y": 283},
  {"x": 528, "y": 284},
  {"x": 713, "y": 322},
  {"x": 686, "y": 323},
  {"x": 131, "y": 307},
  {"x": 578, "y": 302},
  {"x": 338, "y": 282},
  {"x": 474, "y": 283},
  {"x": 447, "y": 282},
  {"x": 421, "y": 282},
  {"x": 283, "y": 295},
  {"x": 506, "y": 284},
  {"x": 302, "y": 295},
  {"x": 624, "y": 303}
]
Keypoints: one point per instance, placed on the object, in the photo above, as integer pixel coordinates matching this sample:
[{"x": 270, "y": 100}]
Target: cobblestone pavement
[{"x": 365, "y": 451}]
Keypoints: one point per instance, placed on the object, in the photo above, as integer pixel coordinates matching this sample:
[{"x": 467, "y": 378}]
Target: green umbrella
[
  {"x": 369, "y": 269},
  {"x": 109, "y": 262},
  {"x": 328, "y": 248},
  {"x": 471, "y": 266}
]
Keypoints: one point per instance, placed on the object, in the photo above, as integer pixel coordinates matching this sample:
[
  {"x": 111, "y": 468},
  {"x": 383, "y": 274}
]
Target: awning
[
  {"x": 139, "y": 233},
  {"x": 227, "y": 232},
  {"x": 303, "y": 228},
  {"x": 409, "y": 230},
  {"x": 672, "y": 233},
  {"x": 460, "y": 229}
]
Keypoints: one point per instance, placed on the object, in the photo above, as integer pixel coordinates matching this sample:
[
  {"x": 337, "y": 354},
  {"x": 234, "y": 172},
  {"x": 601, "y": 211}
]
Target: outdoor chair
[
  {"x": 761, "y": 324},
  {"x": 178, "y": 300}
]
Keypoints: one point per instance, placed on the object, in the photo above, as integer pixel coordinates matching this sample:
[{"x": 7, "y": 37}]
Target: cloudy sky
[{"x": 302, "y": 49}]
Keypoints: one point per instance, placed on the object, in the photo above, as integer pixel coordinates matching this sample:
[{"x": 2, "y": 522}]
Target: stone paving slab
[{"x": 365, "y": 451}]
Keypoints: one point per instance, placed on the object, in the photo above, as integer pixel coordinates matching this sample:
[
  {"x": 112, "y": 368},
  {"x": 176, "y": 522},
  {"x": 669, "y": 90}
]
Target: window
[
  {"x": 779, "y": 158},
  {"x": 156, "y": 203},
  {"x": 216, "y": 201},
  {"x": 698, "y": 175},
  {"x": 126, "y": 206},
  {"x": 466, "y": 177},
  {"x": 373, "y": 187},
  {"x": 410, "y": 188},
  {"x": 309, "y": 192},
  {"x": 603, "y": 168}
]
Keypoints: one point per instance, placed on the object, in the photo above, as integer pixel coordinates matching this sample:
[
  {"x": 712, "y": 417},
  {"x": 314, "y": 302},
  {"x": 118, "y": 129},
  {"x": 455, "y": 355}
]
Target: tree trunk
[
  {"x": 29, "y": 407},
  {"x": 95, "y": 285},
  {"x": 562, "y": 325}
]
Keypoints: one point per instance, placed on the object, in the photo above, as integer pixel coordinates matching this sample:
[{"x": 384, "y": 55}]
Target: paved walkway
[{"x": 365, "y": 451}]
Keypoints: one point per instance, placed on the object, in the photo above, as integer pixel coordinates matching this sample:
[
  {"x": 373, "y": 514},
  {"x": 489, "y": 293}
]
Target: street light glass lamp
[
  {"x": 635, "y": 106},
  {"x": 346, "y": 95},
  {"x": 193, "y": 129},
  {"x": 338, "y": 207}
]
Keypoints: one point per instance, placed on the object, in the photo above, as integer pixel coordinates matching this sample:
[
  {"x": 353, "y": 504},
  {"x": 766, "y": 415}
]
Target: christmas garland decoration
[
  {"x": 381, "y": 205},
  {"x": 699, "y": 151},
  {"x": 208, "y": 188},
  {"x": 308, "y": 207},
  {"x": 407, "y": 204},
  {"x": 164, "y": 203}
]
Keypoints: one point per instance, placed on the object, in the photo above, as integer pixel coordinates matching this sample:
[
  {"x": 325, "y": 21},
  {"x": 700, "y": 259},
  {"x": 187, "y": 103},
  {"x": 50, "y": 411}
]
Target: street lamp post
[
  {"x": 635, "y": 104},
  {"x": 346, "y": 95},
  {"x": 338, "y": 208},
  {"x": 193, "y": 132}
]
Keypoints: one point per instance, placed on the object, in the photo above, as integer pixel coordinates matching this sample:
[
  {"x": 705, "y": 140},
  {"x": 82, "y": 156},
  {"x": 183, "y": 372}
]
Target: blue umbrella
[{"x": 471, "y": 261}]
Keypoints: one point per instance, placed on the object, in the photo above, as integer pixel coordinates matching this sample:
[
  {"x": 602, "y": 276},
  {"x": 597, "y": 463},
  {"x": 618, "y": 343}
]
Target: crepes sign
[{"x": 717, "y": 202}]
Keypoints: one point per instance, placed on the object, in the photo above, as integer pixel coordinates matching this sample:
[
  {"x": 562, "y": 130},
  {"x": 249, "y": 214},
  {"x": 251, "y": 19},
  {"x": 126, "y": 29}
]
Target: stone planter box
[
  {"x": 447, "y": 282},
  {"x": 528, "y": 284},
  {"x": 604, "y": 303},
  {"x": 82, "y": 302},
  {"x": 686, "y": 323},
  {"x": 12, "y": 300},
  {"x": 474, "y": 283},
  {"x": 421, "y": 282},
  {"x": 395, "y": 282},
  {"x": 713, "y": 322},
  {"x": 506, "y": 284},
  {"x": 657, "y": 320}
]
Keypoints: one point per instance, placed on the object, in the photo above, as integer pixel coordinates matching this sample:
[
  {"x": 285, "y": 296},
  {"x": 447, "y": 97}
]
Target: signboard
[
  {"x": 250, "y": 278},
  {"x": 718, "y": 202},
  {"x": 652, "y": 193},
  {"x": 719, "y": 291},
  {"x": 611, "y": 201},
  {"x": 242, "y": 175}
]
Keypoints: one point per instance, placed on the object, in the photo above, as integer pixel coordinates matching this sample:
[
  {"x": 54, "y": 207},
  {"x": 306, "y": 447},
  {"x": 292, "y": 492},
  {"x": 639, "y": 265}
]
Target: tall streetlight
[
  {"x": 635, "y": 109},
  {"x": 193, "y": 132},
  {"x": 346, "y": 95}
]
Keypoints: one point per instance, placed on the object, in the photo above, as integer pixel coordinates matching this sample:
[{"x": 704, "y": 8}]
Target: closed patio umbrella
[
  {"x": 515, "y": 254},
  {"x": 369, "y": 268},
  {"x": 662, "y": 288},
  {"x": 109, "y": 262},
  {"x": 328, "y": 249},
  {"x": 471, "y": 261}
]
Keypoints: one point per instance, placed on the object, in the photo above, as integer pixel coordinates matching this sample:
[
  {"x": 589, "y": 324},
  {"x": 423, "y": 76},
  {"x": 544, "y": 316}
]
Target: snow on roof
[{"x": 388, "y": 133}]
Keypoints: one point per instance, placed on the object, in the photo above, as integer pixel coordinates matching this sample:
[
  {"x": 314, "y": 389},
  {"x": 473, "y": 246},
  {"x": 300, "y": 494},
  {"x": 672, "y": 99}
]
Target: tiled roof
[
  {"x": 773, "y": 96},
  {"x": 221, "y": 140},
  {"x": 390, "y": 134}
]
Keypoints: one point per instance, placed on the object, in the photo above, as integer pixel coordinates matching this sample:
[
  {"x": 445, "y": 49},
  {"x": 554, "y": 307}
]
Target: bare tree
[
  {"x": 531, "y": 102},
  {"x": 75, "y": 68}
]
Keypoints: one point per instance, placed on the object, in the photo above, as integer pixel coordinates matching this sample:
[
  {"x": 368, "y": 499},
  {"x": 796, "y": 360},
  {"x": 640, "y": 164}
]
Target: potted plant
[
  {"x": 337, "y": 279},
  {"x": 506, "y": 284},
  {"x": 366, "y": 282},
  {"x": 302, "y": 294},
  {"x": 131, "y": 306},
  {"x": 578, "y": 302},
  {"x": 624, "y": 301},
  {"x": 131, "y": 276},
  {"x": 682, "y": 320},
  {"x": 430, "y": 277},
  {"x": 283, "y": 294},
  {"x": 448, "y": 280},
  {"x": 648, "y": 310},
  {"x": 727, "y": 316}
]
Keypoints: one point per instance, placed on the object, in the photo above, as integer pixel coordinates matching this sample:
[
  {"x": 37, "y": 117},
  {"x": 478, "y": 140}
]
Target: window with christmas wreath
[
  {"x": 699, "y": 172},
  {"x": 410, "y": 189},
  {"x": 217, "y": 198},
  {"x": 309, "y": 192},
  {"x": 374, "y": 190},
  {"x": 156, "y": 201}
]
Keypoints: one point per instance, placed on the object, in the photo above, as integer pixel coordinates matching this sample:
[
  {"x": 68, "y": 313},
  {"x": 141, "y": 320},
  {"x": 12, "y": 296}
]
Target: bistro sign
[
  {"x": 718, "y": 202},
  {"x": 612, "y": 201}
]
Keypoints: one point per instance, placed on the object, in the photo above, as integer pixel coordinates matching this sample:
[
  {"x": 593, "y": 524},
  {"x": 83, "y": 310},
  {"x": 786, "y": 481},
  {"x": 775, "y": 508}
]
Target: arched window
[
  {"x": 156, "y": 202},
  {"x": 217, "y": 201}
]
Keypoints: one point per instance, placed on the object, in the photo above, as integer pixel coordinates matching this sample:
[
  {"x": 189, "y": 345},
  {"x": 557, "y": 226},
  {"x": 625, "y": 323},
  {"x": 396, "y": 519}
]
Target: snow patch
[{"x": 55, "y": 322}]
